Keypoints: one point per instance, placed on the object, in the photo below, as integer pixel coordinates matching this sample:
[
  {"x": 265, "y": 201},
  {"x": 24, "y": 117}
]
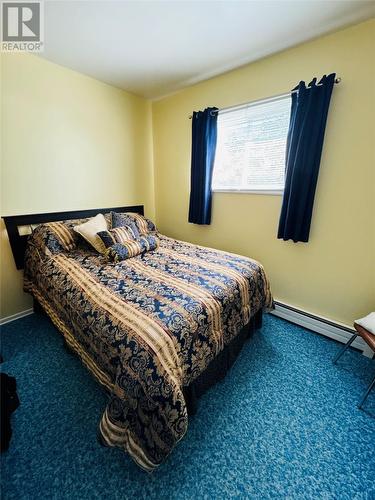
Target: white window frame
[{"x": 272, "y": 192}]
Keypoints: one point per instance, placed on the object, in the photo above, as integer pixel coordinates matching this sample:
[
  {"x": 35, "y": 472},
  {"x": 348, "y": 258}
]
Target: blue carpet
[{"x": 283, "y": 424}]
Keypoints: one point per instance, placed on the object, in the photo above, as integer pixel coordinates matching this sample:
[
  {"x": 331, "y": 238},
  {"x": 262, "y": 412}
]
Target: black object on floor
[{"x": 8, "y": 404}]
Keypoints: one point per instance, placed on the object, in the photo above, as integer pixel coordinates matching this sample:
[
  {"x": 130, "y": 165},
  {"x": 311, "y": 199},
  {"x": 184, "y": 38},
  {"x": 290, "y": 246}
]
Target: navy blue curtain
[
  {"x": 303, "y": 152},
  {"x": 204, "y": 134}
]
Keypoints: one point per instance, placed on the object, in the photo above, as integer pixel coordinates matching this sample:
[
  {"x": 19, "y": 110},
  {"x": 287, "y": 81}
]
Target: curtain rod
[{"x": 261, "y": 101}]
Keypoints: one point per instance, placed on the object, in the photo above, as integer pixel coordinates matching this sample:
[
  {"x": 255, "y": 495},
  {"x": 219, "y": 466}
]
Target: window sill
[{"x": 273, "y": 192}]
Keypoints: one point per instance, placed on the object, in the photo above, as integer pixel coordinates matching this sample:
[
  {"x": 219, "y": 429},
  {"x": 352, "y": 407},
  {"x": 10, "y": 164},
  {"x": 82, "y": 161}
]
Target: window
[{"x": 251, "y": 143}]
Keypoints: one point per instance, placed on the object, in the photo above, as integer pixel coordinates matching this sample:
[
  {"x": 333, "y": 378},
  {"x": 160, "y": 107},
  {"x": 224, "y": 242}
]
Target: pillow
[
  {"x": 88, "y": 230},
  {"x": 368, "y": 322},
  {"x": 144, "y": 225},
  {"x": 54, "y": 236},
  {"x": 119, "y": 235},
  {"x": 132, "y": 248},
  {"x": 63, "y": 234},
  {"x": 108, "y": 218}
]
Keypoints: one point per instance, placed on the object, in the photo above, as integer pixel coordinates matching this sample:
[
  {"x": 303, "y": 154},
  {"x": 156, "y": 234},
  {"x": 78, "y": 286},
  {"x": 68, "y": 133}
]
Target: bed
[{"x": 156, "y": 330}]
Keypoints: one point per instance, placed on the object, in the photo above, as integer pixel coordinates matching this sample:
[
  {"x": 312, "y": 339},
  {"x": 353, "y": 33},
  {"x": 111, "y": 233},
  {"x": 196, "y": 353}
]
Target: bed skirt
[{"x": 219, "y": 366}]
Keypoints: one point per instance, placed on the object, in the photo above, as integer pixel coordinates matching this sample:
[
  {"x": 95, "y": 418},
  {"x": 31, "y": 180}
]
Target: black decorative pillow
[
  {"x": 119, "y": 235},
  {"x": 132, "y": 248},
  {"x": 143, "y": 225}
]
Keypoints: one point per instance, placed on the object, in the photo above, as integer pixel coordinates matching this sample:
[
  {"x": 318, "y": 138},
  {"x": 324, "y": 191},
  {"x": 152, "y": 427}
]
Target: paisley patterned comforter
[{"x": 146, "y": 327}]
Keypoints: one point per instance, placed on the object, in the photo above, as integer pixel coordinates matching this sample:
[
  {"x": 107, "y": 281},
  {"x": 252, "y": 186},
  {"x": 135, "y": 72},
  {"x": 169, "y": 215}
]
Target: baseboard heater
[{"x": 320, "y": 325}]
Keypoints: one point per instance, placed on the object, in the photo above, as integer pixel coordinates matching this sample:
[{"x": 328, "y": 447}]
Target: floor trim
[
  {"x": 13, "y": 317},
  {"x": 319, "y": 324}
]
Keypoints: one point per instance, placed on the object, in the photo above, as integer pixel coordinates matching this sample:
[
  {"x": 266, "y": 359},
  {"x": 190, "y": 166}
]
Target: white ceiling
[{"x": 153, "y": 48}]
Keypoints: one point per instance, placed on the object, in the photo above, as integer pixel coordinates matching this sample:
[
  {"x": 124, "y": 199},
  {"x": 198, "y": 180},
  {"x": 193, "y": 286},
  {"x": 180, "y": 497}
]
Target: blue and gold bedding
[{"x": 146, "y": 327}]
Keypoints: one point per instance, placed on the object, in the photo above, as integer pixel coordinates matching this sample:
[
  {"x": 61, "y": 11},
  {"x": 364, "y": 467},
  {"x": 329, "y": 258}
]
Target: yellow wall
[
  {"x": 333, "y": 275},
  {"x": 69, "y": 142}
]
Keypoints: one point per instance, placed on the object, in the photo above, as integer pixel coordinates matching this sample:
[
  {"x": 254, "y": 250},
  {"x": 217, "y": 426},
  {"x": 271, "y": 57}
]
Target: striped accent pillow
[
  {"x": 118, "y": 235},
  {"x": 64, "y": 235},
  {"x": 132, "y": 248},
  {"x": 53, "y": 237}
]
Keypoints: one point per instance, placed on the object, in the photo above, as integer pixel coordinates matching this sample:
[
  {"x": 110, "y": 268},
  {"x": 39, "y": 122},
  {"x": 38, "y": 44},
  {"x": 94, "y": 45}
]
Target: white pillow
[
  {"x": 89, "y": 229},
  {"x": 368, "y": 322}
]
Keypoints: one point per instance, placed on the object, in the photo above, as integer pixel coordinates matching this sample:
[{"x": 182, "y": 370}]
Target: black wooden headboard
[{"x": 18, "y": 241}]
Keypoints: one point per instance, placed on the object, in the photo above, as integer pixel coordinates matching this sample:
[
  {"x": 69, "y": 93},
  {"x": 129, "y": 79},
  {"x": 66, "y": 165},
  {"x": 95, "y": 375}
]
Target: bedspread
[{"x": 146, "y": 327}]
